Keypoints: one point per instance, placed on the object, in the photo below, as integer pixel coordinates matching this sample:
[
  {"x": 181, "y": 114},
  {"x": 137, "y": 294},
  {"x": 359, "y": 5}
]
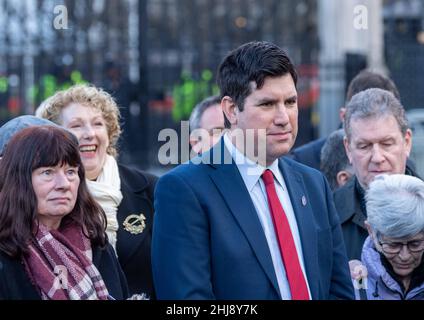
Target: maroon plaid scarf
[{"x": 59, "y": 266}]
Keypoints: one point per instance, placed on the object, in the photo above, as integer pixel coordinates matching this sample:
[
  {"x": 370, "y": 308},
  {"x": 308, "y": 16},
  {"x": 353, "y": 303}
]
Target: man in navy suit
[{"x": 238, "y": 222}]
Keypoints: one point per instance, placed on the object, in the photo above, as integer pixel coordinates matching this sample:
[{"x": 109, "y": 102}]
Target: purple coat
[{"x": 381, "y": 286}]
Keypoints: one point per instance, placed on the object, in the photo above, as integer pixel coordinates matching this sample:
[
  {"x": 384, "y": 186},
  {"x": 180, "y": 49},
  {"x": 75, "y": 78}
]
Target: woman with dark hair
[
  {"x": 53, "y": 243},
  {"x": 124, "y": 193}
]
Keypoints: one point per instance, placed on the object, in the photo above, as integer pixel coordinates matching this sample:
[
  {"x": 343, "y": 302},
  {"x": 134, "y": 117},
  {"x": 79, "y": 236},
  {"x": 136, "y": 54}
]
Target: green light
[
  {"x": 49, "y": 82},
  {"x": 188, "y": 88},
  {"x": 76, "y": 77},
  {"x": 3, "y": 84},
  {"x": 33, "y": 93},
  {"x": 207, "y": 75},
  {"x": 189, "y": 92}
]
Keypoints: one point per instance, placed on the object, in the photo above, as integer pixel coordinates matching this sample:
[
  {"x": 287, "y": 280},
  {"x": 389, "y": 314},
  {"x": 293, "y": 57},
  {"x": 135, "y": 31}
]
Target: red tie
[{"x": 297, "y": 283}]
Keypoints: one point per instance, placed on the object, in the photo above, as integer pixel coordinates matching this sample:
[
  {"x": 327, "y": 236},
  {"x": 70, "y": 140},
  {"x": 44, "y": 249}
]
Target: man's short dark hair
[
  {"x": 367, "y": 80},
  {"x": 200, "y": 108},
  {"x": 253, "y": 61},
  {"x": 334, "y": 158}
]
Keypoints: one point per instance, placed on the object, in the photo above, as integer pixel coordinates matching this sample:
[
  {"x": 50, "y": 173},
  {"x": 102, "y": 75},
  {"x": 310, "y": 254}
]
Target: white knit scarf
[{"x": 107, "y": 192}]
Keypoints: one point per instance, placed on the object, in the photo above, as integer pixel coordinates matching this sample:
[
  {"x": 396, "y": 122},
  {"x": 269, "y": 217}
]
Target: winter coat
[{"x": 380, "y": 284}]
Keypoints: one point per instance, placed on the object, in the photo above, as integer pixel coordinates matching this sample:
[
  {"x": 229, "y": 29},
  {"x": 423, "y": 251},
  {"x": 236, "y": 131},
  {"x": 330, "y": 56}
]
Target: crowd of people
[{"x": 247, "y": 218}]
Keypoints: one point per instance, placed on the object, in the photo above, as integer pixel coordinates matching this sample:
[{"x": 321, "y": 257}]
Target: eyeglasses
[{"x": 396, "y": 247}]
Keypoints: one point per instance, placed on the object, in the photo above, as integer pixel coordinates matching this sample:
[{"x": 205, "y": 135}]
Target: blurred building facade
[
  {"x": 158, "y": 57},
  {"x": 404, "y": 39},
  {"x": 351, "y": 39},
  {"x": 404, "y": 48}
]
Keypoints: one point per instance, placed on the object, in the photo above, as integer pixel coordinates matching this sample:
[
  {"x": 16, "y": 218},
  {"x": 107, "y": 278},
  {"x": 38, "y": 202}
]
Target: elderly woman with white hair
[{"x": 393, "y": 252}]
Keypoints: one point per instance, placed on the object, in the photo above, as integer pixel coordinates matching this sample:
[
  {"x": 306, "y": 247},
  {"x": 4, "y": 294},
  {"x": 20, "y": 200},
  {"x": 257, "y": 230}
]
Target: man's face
[
  {"x": 272, "y": 108},
  {"x": 212, "y": 121},
  {"x": 377, "y": 146}
]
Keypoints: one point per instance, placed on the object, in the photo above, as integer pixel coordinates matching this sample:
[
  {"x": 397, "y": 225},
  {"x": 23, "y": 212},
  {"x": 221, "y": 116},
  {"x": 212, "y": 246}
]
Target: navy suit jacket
[
  {"x": 310, "y": 154},
  {"x": 208, "y": 242}
]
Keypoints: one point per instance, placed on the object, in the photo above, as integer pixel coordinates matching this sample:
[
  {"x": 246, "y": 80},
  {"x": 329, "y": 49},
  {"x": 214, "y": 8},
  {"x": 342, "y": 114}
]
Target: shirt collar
[{"x": 250, "y": 171}]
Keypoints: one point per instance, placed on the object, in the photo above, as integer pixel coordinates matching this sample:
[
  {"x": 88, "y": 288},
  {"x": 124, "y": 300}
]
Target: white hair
[
  {"x": 200, "y": 108},
  {"x": 42, "y": 107},
  {"x": 395, "y": 205}
]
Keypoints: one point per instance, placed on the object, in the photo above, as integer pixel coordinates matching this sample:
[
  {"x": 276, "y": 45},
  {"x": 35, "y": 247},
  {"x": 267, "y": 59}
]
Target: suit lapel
[
  {"x": 232, "y": 188},
  {"x": 134, "y": 203},
  {"x": 305, "y": 223}
]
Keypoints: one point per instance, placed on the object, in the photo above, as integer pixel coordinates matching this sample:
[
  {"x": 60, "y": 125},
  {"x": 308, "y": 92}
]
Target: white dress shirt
[{"x": 251, "y": 173}]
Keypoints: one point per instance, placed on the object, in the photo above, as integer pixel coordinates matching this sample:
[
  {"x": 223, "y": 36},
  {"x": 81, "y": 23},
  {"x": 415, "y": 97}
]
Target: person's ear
[
  {"x": 408, "y": 141},
  {"x": 230, "y": 109},
  {"x": 342, "y": 113},
  {"x": 369, "y": 229},
  {"x": 347, "y": 148},
  {"x": 373, "y": 236},
  {"x": 342, "y": 177},
  {"x": 193, "y": 141},
  {"x": 198, "y": 139}
]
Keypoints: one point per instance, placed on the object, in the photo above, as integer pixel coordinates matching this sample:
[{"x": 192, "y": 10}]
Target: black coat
[
  {"x": 352, "y": 216},
  {"x": 16, "y": 285},
  {"x": 133, "y": 250}
]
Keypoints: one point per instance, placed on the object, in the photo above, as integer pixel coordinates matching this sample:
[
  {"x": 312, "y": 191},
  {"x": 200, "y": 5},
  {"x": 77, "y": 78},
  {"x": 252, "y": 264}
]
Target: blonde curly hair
[{"x": 86, "y": 95}]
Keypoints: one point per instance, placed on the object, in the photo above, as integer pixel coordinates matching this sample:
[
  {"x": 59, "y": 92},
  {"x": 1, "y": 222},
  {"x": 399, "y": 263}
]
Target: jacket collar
[
  {"x": 348, "y": 202},
  {"x": 230, "y": 184},
  {"x": 134, "y": 185},
  {"x": 250, "y": 171},
  {"x": 348, "y": 206}
]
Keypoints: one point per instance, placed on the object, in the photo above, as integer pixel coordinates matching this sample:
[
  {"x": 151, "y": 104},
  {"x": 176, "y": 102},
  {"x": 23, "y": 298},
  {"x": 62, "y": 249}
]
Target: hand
[{"x": 357, "y": 270}]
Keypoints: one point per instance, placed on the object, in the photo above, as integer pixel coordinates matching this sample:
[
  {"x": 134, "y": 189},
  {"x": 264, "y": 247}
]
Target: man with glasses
[{"x": 393, "y": 252}]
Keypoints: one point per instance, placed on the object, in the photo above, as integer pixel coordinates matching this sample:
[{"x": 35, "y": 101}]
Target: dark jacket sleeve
[
  {"x": 107, "y": 263},
  {"x": 310, "y": 153},
  {"x": 341, "y": 284},
  {"x": 152, "y": 184},
  {"x": 3, "y": 291},
  {"x": 14, "y": 282},
  {"x": 180, "y": 247}
]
